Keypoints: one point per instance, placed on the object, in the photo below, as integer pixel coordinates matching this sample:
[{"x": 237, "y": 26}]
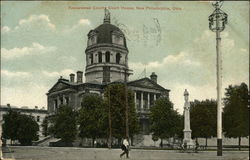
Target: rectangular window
[
  {"x": 38, "y": 118},
  {"x": 61, "y": 101}
]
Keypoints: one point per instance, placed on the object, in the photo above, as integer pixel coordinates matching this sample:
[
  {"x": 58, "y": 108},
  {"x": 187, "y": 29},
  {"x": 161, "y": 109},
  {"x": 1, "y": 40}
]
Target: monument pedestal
[{"x": 187, "y": 138}]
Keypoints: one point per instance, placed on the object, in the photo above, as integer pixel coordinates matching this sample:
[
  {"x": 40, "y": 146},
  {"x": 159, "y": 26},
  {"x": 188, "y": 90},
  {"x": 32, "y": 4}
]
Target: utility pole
[
  {"x": 1, "y": 129},
  {"x": 126, "y": 103},
  {"x": 110, "y": 126},
  {"x": 217, "y": 21}
]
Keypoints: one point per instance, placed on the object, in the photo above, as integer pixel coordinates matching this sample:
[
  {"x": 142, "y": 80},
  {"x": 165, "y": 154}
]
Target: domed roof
[{"x": 104, "y": 32}]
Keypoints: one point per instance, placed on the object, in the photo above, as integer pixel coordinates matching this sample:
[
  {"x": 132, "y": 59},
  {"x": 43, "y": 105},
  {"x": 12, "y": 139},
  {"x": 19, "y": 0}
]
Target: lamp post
[
  {"x": 1, "y": 144},
  {"x": 217, "y": 21},
  {"x": 126, "y": 103},
  {"x": 110, "y": 126}
]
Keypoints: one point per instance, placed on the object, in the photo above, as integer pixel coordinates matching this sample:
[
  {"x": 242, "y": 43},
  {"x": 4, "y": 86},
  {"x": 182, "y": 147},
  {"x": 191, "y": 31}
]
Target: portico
[{"x": 144, "y": 99}]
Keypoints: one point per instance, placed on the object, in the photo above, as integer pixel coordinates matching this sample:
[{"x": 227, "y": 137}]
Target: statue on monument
[{"x": 187, "y": 141}]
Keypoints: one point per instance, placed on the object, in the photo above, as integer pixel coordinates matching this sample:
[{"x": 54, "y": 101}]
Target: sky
[{"x": 41, "y": 41}]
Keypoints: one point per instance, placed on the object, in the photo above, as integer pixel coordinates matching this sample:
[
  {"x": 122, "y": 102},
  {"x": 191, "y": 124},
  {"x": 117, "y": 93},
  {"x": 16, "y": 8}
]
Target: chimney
[
  {"x": 79, "y": 76},
  {"x": 8, "y": 105},
  {"x": 153, "y": 77},
  {"x": 72, "y": 77}
]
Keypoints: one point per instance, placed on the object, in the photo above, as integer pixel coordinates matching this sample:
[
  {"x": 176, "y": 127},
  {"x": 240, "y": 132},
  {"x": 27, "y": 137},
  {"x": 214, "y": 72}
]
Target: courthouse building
[{"x": 106, "y": 62}]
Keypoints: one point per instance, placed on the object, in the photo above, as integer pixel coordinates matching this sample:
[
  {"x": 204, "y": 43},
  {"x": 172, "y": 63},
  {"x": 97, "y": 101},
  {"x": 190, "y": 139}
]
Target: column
[
  {"x": 103, "y": 57},
  {"x": 148, "y": 100},
  {"x": 141, "y": 100},
  {"x": 135, "y": 99},
  {"x": 64, "y": 99},
  {"x": 154, "y": 98},
  {"x": 112, "y": 57},
  {"x": 58, "y": 102},
  {"x": 95, "y": 58}
]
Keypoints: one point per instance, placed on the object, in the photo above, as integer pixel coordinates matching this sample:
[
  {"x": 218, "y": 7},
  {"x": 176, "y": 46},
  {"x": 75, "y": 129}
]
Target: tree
[
  {"x": 27, "y": 130},
  {"x": 92, "y": 117},
  {"x": 203, "y": 118},
  {"x": 118, "y": 108},
  {"x": 180, "y": 126},
  {"x": 45, "y": 130},
  {"x": 63, "y": 124},
  {"x": 236, "y": 113},
  {"x": 20, "y": 127},
  {"x": 10, "y": 125},
  {"x": 164, "y": 120}
]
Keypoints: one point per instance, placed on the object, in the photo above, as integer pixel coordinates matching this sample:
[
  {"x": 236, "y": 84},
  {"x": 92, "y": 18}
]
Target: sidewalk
[
  {"x": 7, "y": 156},
  {"x": 73, "y": 153}
]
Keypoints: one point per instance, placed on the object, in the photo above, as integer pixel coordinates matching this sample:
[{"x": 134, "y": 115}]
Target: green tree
[
  {"x": 27, "y": 130},
  {"x": 116, "y": 94},
  {"x": 92, "y": 117},
  {"x": 164, "y": 120},
  {"x": 10, "y": 125},
  {"x": 45, "y": 124},
  {"x": 63, "y": 124},
  {"x": 20, "y": 127},
  {"x": 203, "y": 118},
  {"x": 236, "y": 113},
  {"x": 180, "y": 126}
]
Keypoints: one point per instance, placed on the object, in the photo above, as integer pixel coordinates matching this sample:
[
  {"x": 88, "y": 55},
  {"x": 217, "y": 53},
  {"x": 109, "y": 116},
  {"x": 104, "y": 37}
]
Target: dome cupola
[
  {"x": 106, "y": 53},
  {"x": 106, "y": 33}
]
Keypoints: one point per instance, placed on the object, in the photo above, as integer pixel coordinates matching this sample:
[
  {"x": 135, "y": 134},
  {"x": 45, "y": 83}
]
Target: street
[{"x": 70, "y": 153}]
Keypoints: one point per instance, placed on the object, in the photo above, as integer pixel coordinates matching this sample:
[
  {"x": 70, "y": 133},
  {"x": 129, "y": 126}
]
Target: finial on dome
[{"x": 106, "y": 16}]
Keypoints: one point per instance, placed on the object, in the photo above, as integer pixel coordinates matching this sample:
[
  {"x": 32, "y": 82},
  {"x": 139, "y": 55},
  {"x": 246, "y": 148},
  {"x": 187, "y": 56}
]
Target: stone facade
[{"x": 106, "y": 63}]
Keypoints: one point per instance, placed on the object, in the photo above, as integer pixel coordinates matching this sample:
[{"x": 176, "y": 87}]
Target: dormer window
[
  {"x": 117, "y": 38},
  {"x": 92, "y": 38}
]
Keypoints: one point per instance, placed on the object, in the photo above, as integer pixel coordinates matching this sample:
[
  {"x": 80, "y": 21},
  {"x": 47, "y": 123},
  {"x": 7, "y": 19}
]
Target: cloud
[
  {"x": 180, "y": 58},
  {"x": 36, "y": 48},
  {"x": 19, "y": 96},
  {"x": 38, "y": 20},
  {"x": 65, "y": 73},
  {"x": 243, "y": 50},
  {"x": 202, "y": 92},
  {"x": 80, "y": 23},
  {"x": 207, "y": 41},
  {"x": 5, "y": 29},
  {"x": 6, "y": 73},
  {"x": 67, "y": 60},
  {"x": 83, "y": 22},
  {"x": 198, "y": 92}
]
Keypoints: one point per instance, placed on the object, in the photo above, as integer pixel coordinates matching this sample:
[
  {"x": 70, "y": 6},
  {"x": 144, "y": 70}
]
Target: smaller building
[{"x": 38, "y": 114}]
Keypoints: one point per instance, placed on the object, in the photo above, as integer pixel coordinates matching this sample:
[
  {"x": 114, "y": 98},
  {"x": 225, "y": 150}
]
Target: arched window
[
  {"x": 91, "y": 58},
  {"x": 100, "y": 57},
  {"x": 118, "y": 58},
  {"x": 107, "y": 56}
]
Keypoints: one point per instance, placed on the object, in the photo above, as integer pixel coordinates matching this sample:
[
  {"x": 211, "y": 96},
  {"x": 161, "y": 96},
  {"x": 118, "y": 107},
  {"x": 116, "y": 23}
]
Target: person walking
[{"x": 125, "y": 148}]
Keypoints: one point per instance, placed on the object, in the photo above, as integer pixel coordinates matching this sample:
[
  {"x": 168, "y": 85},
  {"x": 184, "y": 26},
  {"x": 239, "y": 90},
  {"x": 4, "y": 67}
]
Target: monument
[{"x": 187, "y": 131}]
